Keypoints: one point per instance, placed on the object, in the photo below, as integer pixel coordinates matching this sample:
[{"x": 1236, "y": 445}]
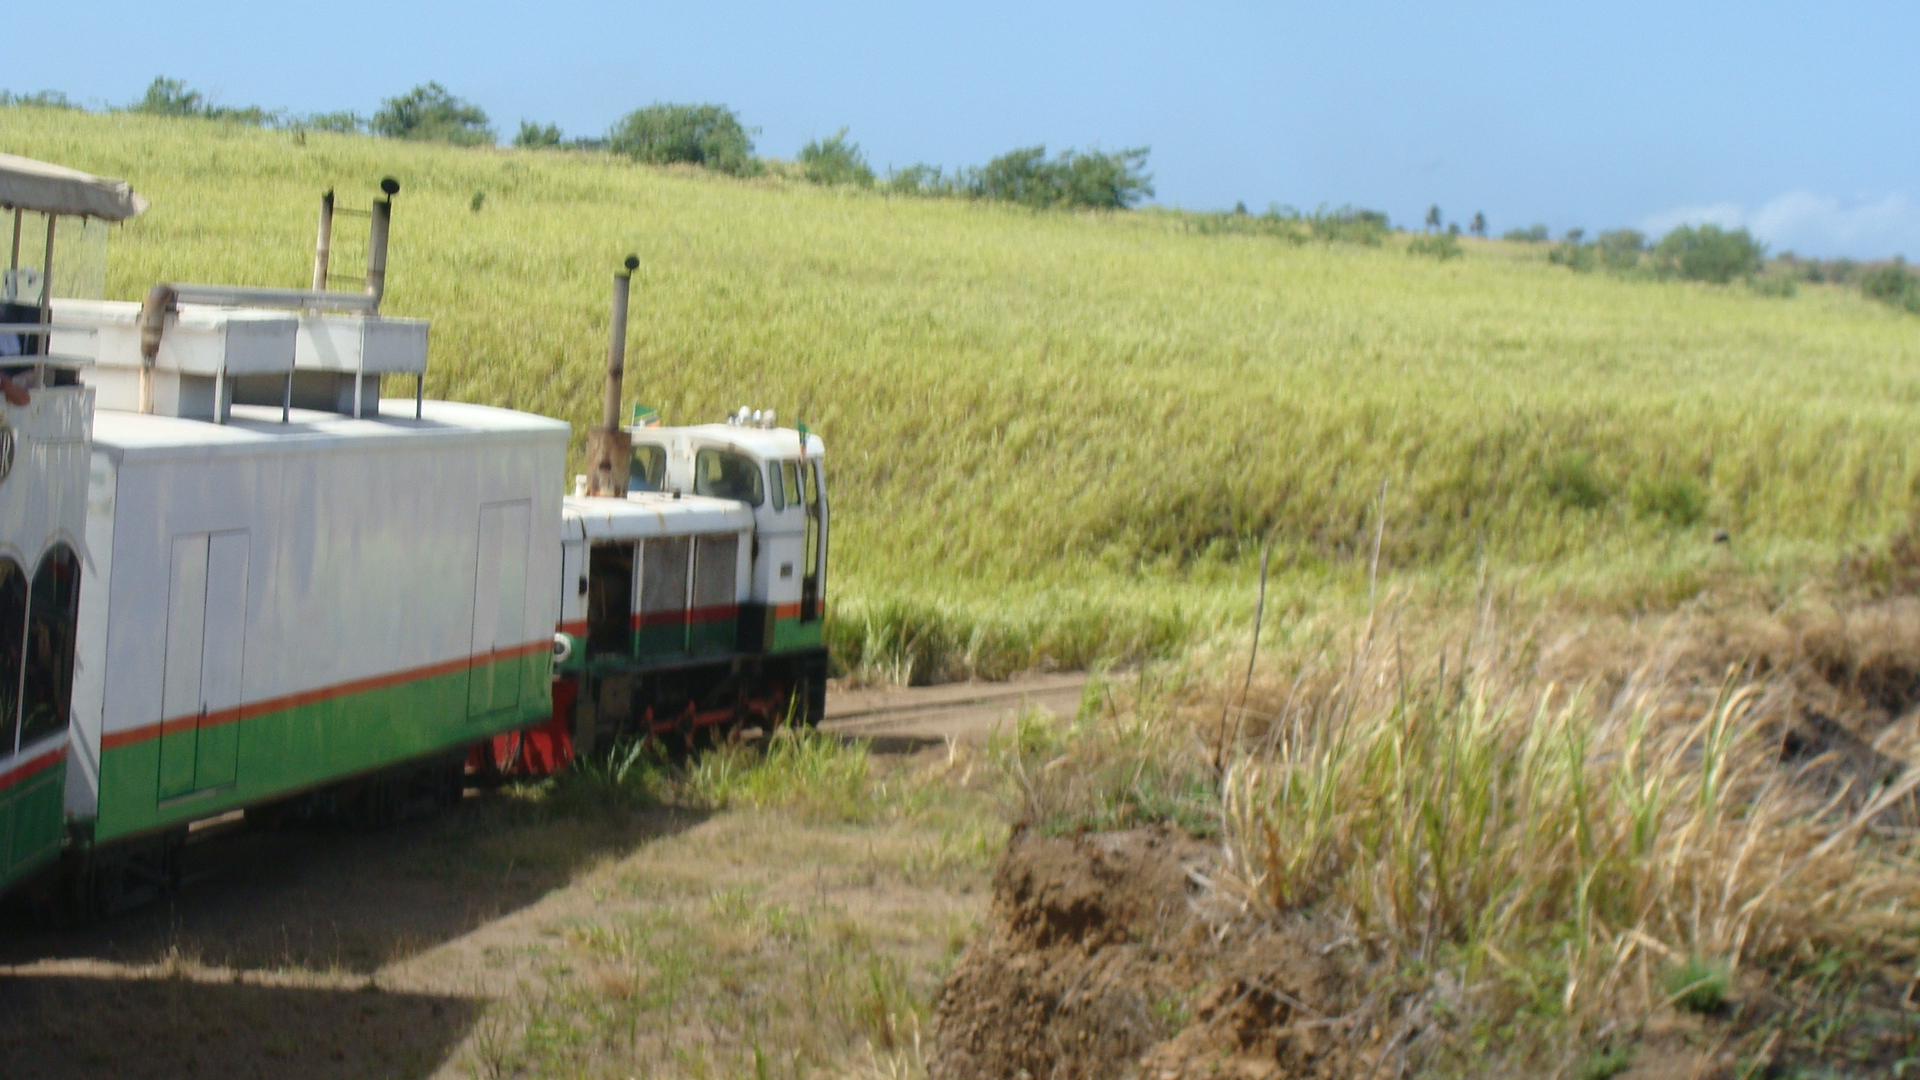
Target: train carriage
[
  {"x": 43, "y": 483},
  {"x": 278, "y": 607},
  {"x": 44, "y": 422}
]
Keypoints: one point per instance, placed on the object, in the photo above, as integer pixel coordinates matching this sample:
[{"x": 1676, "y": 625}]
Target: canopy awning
[{"x": 26, "y": 184}]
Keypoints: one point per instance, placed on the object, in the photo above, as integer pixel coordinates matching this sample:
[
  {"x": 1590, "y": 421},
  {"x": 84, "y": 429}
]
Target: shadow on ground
[
  {"x": 349, "y": 902},
  {"x": 133, "y": 1029}
]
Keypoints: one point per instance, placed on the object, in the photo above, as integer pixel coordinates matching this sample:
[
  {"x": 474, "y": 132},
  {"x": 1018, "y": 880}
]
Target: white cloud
[{"x": 1810, "y": 224}]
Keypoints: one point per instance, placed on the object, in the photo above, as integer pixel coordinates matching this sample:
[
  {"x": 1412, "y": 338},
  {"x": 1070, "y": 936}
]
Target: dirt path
[
  {"x": 904, "y": 720},
  {"x": 324, "y": 954}
]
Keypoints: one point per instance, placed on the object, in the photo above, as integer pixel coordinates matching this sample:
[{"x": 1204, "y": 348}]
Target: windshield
[
  {"x": 649, "y": 469},
  {"x": 725, "y": 474}
]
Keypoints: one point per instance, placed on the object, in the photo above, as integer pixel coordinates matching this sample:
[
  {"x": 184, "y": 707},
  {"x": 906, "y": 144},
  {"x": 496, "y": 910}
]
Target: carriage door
[
  {"x": 205, "y": 659},
  {"x": 499, "y": 608}
]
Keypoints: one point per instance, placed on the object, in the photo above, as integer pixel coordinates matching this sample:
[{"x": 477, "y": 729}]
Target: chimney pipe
[
  {"x": 323, "y": 248},
  {"x": 609, "y": 447},
  {"x": 377, "y": 241}
]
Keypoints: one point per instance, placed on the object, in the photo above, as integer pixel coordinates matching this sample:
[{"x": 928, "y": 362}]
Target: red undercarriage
[{"x": 547, "y": 748}]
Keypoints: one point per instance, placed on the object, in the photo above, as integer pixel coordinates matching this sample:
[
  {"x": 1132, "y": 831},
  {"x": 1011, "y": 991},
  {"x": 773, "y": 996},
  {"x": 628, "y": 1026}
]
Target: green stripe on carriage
[
  {"x": 309, "y": 745},
  {"x": 678, "y": 639},
  {"x": 32, "y": 814},
  {"x": 789, "y": 634}
]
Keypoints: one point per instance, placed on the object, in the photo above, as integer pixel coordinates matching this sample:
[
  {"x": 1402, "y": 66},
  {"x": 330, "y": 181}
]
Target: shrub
[
  {"x": 921, "y": 179},
  {"x": 1532, "y": 234},
  {"x": 1092, "y": 180},
  {"x": 1349, "y": 224},
  {"x": 343, "y": 122},
  {"x": 1574, "y": 255},
  {"x": 534, "y": 136},
  {"x": 44, "y": 99},
  {"x": 1620, "y": 249},
  {"x": 169, "y": 97},
  {"x": 709, "y": 136},
  {"x": 1710, "y": 253},
  {"x": 1892, "y": 284},
  {"x": 1441, "y": 246},
  {"x": 1680, "y": 500},
  {"x": 835, "y": 160},
  {"x": 431, "y": 113}
]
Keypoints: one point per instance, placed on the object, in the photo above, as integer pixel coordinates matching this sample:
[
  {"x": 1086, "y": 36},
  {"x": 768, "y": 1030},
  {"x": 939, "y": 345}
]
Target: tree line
[{"x": 708, "y": 136}]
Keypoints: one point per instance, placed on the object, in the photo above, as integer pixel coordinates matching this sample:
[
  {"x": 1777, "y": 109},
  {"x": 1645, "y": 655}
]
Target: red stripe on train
[
  {"x": 115, "y": 739},
  {"x": 33, "y": 766}
]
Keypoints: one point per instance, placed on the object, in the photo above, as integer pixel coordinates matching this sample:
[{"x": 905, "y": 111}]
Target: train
[{"x": 234, "y": 577}]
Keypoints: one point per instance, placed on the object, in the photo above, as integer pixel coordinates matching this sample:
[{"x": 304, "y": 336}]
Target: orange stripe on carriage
[
  {"x": 115, "y": 739},
  {"x": 33, "y": 766}
]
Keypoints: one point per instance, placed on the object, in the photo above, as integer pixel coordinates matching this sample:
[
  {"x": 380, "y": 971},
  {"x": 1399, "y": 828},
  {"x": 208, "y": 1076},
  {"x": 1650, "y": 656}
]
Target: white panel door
[
  {"x": 180, "y": 687},
  {"x": 223, "y": 656},
  {"x": 200, "y": 693}
]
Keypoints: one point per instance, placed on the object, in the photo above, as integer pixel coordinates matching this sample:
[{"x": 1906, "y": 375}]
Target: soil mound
[{"x": 1096, "y": 945}]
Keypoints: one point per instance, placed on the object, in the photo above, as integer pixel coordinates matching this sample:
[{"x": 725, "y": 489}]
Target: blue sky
[{"x": 1795, "y": 120}]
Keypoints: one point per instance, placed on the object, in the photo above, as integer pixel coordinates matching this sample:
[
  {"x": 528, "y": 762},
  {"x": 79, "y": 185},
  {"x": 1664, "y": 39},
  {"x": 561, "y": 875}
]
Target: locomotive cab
[
  {"x": 778, "y": 474},
  {"x": 693, "y": 603}
]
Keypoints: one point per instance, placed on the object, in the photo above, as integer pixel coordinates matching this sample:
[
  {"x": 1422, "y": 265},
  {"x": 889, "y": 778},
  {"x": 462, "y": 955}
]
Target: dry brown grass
[{"x": 1541, "y": 830}]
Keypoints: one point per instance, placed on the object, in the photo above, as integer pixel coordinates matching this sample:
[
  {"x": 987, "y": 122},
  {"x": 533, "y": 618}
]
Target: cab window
[
  {"x": 725, "y": 474},
  {"x": 649, "y": 469},
  {"x": 790, "y": 481}
]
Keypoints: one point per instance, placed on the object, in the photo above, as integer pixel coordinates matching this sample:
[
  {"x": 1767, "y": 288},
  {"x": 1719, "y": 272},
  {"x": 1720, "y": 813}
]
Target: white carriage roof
[
  {"x": 254, "y": 429},
  {"x": 761, "y": 442},
  {"x": 650, "y": 513},
  {"x": 26, "y": 184}
]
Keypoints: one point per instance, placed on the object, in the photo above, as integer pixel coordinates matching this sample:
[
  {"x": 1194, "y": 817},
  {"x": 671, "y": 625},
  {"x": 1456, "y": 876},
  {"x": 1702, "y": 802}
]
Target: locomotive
[{"x": 303, "y": 599}]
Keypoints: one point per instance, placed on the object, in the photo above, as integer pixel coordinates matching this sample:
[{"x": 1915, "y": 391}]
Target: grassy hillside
[{"x": 1057, "y": 436}]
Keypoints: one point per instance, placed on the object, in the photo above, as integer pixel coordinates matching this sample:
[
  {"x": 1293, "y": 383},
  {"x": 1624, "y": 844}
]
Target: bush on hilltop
[
  {"x": 709, "y": 136},
  {"x": 431, "y": 113}
]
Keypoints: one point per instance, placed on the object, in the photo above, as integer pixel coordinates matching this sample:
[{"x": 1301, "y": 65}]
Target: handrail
[
  {"x": 251, "y": 296},
  {"x": 35, "y": 329},
  {"x": 58, "y": 360}
]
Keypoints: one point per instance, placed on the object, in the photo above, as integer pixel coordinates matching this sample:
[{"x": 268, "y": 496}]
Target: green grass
[{"x": 1056, "y": 437}]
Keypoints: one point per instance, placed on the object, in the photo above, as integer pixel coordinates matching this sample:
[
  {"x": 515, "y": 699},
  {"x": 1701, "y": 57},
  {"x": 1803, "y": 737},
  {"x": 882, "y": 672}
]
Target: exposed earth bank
[{"x": 1097, "y": 943}]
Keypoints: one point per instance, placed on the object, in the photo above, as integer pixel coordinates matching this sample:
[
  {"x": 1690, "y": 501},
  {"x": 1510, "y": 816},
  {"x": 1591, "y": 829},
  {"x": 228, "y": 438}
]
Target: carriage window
[
  {"x": 810, "y": 476},
  {"x": 790, "y": 481},
  {"x": 13, "y": 636},
  {"x": 53, "y": 617},
  {"x": 779, "y": 493},
  {"x": 649, "y": 470},
  {"x": 724, "y": 474}
]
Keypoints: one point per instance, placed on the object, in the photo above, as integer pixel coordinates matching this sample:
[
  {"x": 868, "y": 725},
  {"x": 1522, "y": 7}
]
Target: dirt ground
[
  {"x": 430, "y": 949},
  {"x": 1100, "y": 960}
]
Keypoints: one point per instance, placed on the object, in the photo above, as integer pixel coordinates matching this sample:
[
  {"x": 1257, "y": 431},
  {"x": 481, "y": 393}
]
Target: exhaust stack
[
  {"x": 323, "y": 247},
  {"x": 609, "y": 447},
  {"x": 377, "y": 241}
]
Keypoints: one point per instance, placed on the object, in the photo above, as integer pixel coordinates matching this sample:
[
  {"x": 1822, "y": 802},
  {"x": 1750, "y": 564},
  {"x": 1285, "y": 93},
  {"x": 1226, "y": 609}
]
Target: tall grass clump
[
  {"x": 1584, "y": 858},
  {"x": 817, "y": 776}
]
